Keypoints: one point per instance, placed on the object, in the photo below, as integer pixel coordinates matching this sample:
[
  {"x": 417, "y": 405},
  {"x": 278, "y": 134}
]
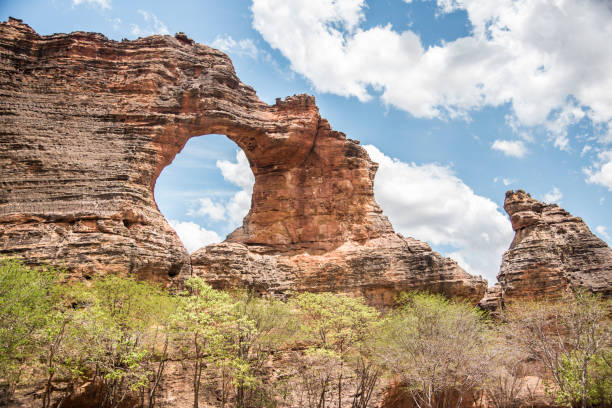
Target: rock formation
[
  {"x": 377, "y": 269},
  {"x": 552, "y": 253},
  {"x": 88, "y": 124}
]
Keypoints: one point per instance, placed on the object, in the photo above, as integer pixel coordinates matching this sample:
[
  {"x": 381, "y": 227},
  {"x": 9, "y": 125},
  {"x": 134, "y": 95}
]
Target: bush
[
  {"x": 437, "y": 348},
  {"x": 117, "y": 333},
  {"x": 27, "y": 298},
  {"x": 338, "y": 329},
  {"x": 572, "y": 338}
]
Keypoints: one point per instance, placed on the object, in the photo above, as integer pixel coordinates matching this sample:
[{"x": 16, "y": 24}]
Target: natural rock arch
[
  {"x": 89, "y": 124},
  {"x": 206, "y": 191}
]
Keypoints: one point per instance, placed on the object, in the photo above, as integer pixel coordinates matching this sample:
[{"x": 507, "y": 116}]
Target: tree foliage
[
  {"x": 27, "y": 297},
  {"x": 118, "y": 335},
  {"x": 437, "y": 347},
  {"x": 572, "y": 338},
  {"x": 339, "y": 330}
]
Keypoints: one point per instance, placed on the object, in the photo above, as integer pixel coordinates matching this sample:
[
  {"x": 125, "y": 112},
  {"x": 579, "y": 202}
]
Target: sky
[{"x": 457, "y": 100}]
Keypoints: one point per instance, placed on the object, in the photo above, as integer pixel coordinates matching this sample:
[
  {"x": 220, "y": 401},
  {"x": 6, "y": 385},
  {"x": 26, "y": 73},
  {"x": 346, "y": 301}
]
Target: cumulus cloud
[
  {"x": 238, "y": 173},
  {"x": 236, "y": 208},
  {"x": 430, "y": 203},
  {"x": 207, "y": 207},
  {"x": 193, "y": 235},
  {"x": 103, "y": 4},
  {"x": 558, "y": 122},
  {"x": 244, "y": 47},
  {"x": 519, "y": 52},
  {"x": 602, "y": 231},
  {"x": 601, "y": 172},
  {"x": 553, "y": 196},
  {"x": 514, "y": 148},
  {"x": 153, "y": 25}
]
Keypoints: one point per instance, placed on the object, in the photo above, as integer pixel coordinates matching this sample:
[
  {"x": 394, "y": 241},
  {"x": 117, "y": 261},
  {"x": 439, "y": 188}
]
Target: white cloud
[
  {"x": 207, "y": 207},
  {"x": 194, "y": 236},
  {"x": 153, "y": 25},
  {"x": 601, "y": 172},
  {"x": 587, "y": 148},
  {"x": 103, "y": 4},
  {"x": 602, "y": 231},
  {"x": 238, "y": 173},
  {"x": 519, "y": 52},
  {"x": 569, "y": 114},
  {"x": 239, "y": 206},
  {"x": 606, "y": 135},
  {"x": 514, "y": 148},
  {"x": 553, "y": 196},
  {"x": 244, "y": 47},
  {"x": 430, "y": 203},
  {"x": 505, "y": 181},
  {"x": 234, "y": 209}
]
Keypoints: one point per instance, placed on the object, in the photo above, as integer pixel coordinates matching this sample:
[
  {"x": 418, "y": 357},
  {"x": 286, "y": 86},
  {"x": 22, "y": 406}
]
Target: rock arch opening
[
  {"x": 206, "y": 191},
  {"x": 86, "y": 200}
]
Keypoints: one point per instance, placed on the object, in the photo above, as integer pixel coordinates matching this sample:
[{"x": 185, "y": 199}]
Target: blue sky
[{"x": 458, "y": 100}]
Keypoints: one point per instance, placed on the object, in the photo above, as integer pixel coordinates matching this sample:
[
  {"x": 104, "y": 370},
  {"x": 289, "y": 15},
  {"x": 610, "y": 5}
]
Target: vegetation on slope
[{"x": 116, "y": 336}]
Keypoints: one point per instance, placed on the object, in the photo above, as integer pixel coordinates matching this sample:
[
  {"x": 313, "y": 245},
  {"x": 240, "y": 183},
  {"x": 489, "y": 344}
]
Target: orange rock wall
[{"x": 88, "y": 124}]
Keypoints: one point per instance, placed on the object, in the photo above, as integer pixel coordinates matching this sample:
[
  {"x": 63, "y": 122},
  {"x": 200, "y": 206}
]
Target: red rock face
[
  {"x": 88, "y": 124},
  {"x": 552, "y": 253},
  {"x": 377, "y": 269}
]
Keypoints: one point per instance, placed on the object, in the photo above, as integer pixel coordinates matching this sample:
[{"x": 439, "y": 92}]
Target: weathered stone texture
[
  {"x": 552, "y": 253},
  {"x": 87, "y": 124},
  {"x": 377, "y": 269}
]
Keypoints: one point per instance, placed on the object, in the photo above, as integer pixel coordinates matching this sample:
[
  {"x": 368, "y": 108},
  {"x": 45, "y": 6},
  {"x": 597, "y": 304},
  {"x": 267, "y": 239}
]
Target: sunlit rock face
[
  {"x": 88, "y": 124},
  {"x": 552, "y": 253}
]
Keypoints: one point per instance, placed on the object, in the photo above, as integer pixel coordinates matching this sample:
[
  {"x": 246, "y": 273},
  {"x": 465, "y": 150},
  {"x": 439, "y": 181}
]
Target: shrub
[
  {"x": 572, "y": 338},
  {"x": 27, "y": 298},
  {"x": 437, "y": 348}
]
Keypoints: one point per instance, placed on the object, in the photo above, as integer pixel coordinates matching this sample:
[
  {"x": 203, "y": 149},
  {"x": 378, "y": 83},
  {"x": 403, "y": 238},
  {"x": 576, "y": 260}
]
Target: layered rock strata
[
  {"x": 377, "y": 269},
  {"x": 552, "y": 253},
  {"x": 87, "y": 124}
]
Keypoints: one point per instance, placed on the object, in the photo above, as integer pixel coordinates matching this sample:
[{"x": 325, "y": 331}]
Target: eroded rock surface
[
  {"x": 552, "y": 253},
  {"x": 87, "y": 125},
  {"x": 377, "y": 269}
]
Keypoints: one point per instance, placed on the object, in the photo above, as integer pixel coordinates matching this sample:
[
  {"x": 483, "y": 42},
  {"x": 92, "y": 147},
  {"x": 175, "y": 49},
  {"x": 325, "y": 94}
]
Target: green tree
[
  {"x": 27, "y": 297},
  {"x": 164, "y": 309},
  {"x": 572, "y": 338},
  {"x": 65, "y": 343},
  {"x": 203, "y": 320},
  {"x": 506, "y": 382},
  {"x": 122, "y": 315},
  {"x": 436, "y": 347},
  {"x": 260, "y": 327},
  {"x": 337, "y": 327}
]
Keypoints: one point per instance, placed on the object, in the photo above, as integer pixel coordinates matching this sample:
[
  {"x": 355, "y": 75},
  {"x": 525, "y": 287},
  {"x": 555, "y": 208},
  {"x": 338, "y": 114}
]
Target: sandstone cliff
[
  {"x": 552, "y": 253},
  {"x": 88, "y": 124}
]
